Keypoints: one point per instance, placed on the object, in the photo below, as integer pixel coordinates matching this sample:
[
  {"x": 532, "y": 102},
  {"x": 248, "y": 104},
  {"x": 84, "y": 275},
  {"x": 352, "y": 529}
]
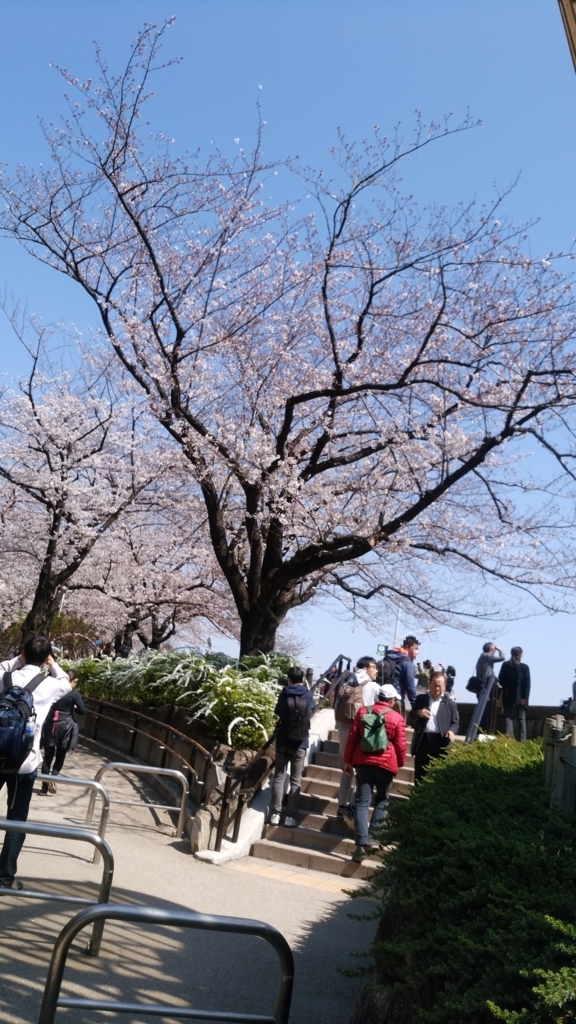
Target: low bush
[
  {"x": 236, "y": 700},
  {"x": 478, "y": 896}
]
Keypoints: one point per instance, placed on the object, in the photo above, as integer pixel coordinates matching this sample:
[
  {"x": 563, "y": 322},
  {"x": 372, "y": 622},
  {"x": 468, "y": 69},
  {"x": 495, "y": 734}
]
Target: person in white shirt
[
  {"x": 434, "y": 716},
  {"x": 21, "y": 671},
  {"x": 367, "y": 674}
]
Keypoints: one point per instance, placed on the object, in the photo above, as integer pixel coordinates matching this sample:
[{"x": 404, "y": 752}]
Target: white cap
[{"x": 387, "y": 692}]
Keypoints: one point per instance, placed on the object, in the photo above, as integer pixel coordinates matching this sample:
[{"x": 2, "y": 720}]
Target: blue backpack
[{"x": 17, "y": 723}]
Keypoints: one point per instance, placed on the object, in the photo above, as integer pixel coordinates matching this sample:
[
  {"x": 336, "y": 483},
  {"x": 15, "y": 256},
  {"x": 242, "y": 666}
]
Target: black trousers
[
  {"x": 432, "y": 744},
  {"x": 19, "y": 795},
  {"x": 58, "y": 761}
]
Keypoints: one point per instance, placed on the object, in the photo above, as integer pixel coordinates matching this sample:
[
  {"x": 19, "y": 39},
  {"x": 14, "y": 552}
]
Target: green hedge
[
  {"x": 478, "y": 898},
  {"x": 236, "y": 700}
]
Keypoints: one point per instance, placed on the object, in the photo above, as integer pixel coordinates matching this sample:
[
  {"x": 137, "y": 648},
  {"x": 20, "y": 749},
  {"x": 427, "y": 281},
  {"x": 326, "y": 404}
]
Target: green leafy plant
[{"x": 478, "y": 894}]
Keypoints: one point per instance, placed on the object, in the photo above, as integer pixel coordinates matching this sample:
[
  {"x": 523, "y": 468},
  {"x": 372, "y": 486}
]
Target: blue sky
[{"x": 324, "y": 64}]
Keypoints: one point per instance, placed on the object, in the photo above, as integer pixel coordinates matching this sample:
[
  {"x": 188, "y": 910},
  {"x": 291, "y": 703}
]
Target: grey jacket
[{"x": 485, "y": 665}]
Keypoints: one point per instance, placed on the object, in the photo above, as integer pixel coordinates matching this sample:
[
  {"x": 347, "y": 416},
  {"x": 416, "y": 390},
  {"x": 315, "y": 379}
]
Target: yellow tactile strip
[{"x": 331, "y": 883}]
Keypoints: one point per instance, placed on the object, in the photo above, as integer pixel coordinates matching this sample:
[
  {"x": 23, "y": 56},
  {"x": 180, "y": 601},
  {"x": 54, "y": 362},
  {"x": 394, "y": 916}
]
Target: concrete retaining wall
[{"x": 535, "y": 719}]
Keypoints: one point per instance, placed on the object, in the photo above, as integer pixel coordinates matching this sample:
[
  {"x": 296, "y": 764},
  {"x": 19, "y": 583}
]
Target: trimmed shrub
[
  {"x": 236, "y": 700},
  {"x": 478, "y": 895}
]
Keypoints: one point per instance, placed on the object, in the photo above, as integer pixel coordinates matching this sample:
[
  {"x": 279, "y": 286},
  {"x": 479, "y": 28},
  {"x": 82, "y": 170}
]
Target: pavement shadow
[{"x": 173, "y": 966}]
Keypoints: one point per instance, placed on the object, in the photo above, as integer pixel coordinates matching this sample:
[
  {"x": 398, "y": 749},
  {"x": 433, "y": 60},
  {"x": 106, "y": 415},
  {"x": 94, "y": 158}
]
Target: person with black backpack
[
  {"x": 294, "y": 708},
  {"x": 26, "y": 696}
]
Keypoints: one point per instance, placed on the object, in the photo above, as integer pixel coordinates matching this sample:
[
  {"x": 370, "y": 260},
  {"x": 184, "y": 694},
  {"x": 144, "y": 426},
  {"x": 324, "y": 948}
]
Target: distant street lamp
[{"x": 568, "y": 12}]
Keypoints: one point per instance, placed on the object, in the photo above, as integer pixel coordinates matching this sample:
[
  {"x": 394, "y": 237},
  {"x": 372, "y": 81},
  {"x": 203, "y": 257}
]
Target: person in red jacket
[{"x": 374, "y": 769}]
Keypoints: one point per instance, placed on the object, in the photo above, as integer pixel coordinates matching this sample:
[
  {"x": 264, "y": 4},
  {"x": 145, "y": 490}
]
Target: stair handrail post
[{"x": 223, "y": 819}]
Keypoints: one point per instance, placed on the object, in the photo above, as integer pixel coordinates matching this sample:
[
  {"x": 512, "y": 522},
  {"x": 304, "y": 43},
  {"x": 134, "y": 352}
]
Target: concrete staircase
[{"x": 322, "y": 842}]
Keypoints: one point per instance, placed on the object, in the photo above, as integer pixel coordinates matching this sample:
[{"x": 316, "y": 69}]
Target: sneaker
[
  {"x": 346, "y": 814},
  {"x": 274, "y": 819},
  {"x": 44, "y": 788},
  {"x": 290, "y": 822},
  {"x": 14, "y": 884},
  {"x": 363, "y": 851},
  {"x": 51, "y": 787}
]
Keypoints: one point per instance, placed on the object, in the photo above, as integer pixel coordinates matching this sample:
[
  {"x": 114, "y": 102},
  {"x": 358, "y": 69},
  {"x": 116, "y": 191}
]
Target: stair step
[
  {"x": 314, "y": 804},
  {"x": 318, "y": 804},
  {"x": 318, "y": 788},
  {"x": 312, "y": 839},
  {"x": 324, "y": 823},
  {"x": 299, "y": 856},
  {"x": 401, "y": 787},
  {"x": 333, "y": 736},
  {"x": 327, "y": 760},
  {"x": 323, "y": 774},
  {"x": 331, "y": 746}
]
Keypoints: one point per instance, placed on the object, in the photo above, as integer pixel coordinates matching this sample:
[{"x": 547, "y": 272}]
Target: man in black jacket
[
  {"x": 434, "y": 716},
  {"x": 515, "y": 682}
]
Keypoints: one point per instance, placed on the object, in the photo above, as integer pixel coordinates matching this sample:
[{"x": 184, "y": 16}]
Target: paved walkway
[{"x": 180, "y": 968}]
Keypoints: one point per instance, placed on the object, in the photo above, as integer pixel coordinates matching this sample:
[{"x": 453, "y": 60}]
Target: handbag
[{"x": 474, "y": 685}]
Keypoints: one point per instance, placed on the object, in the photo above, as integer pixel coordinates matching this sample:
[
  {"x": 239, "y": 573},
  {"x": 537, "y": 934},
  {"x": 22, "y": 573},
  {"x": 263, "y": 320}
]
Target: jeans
[
  {"x": 19, "y": 795},
  {"x": 369, "y": 776},
  {"x": 346, "y": 781},
  {"x": 518, "y": 710},
  {"x": 295, "y": 758}
]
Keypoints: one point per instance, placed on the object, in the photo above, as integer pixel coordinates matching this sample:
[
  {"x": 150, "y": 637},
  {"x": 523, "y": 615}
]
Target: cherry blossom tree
[
  {"x": 359, "y": 391},
  {"x": 156, "y": 573},
  {"x": 73, "y": 456}
]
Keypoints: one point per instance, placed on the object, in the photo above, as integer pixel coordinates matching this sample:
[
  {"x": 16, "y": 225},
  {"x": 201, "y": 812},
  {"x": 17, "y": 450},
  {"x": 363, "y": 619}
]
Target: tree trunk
[
  {"x": 38, "y": 622},
  {"x": 258, "y": 633}
]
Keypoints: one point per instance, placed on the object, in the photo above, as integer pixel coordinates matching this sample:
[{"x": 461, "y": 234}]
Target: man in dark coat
[
  {"x": 515, "y": 682},
  {"x": 435, "y": 719}
]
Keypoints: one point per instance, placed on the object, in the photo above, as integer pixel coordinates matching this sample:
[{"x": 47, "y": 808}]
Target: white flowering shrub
[{"x": 235, "y": 700}]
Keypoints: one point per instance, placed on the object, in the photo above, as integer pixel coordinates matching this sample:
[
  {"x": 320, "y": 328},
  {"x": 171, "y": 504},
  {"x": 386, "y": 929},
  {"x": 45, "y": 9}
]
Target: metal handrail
[
  {"x": 97, "y": 790},
  {"x": 477, "y": 714},
  {"x": 339, "y": 661},
  {"x": 155, "y": 739},
  {"x": 59, "y": 832},
  {"x": 163, "y": 725},
  {"x": 243, "y": 791},
  {"x": 51, "y": 1000},
  {"x": 143, "y": 769}
]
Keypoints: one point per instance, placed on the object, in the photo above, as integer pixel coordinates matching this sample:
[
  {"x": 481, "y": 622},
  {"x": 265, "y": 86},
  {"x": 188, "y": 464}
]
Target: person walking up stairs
[
  {"x": 294, "y": 707},
  {"x": 322, "y": 841},
  {"x": 376, "y": 749}
]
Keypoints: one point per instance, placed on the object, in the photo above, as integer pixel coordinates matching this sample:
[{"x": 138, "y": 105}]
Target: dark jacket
[
  {"x": 390, "y": 759},
  {"x": 447, "y": 718},
  {"x": 60, "y": 729},
  {"x": 404, "y": 676},
  {"x": 281, "y": 710},
  {"x": 514, "y": 679}
]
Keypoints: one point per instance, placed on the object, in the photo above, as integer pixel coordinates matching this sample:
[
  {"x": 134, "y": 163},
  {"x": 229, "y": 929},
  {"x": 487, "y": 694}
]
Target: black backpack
[
  {"x": 387, "y": 671},
  {"x": 294, "y": 724},
  {"x": 17, "y": 722}
]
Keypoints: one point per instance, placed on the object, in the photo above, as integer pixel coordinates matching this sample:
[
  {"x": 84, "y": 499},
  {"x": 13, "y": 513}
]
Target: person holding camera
[{"x": 24, "y": 673}]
